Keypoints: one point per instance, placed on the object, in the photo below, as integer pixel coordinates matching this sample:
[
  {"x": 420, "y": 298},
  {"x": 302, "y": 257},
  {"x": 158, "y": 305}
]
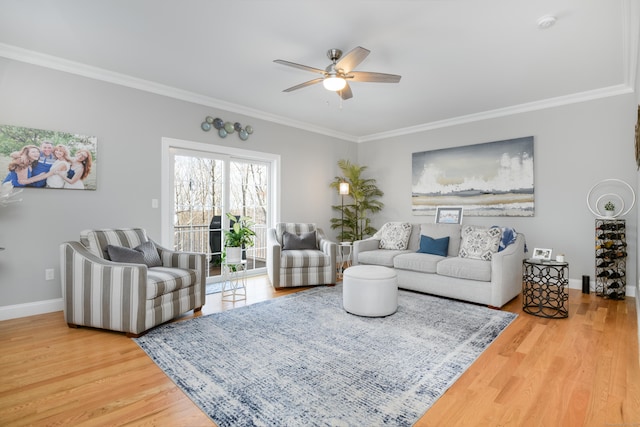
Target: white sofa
[{"x": 491, "y": 282}]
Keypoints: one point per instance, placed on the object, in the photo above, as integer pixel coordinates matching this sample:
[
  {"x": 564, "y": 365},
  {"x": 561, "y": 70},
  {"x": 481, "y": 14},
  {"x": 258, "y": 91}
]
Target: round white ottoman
[{"x": 370, "y": 290}]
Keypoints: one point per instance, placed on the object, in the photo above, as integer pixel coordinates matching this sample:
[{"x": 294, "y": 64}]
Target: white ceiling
[{"x": 460, "y": 60}]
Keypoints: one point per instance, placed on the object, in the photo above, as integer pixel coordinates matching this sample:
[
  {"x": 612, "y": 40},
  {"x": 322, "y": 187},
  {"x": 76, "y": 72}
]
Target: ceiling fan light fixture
[{"x": 334, "y": 83}]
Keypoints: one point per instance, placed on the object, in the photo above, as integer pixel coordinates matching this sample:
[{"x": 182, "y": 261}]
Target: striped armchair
[
  {"x": 300, "y": 267},
  {"x": 125, "y": 296}
]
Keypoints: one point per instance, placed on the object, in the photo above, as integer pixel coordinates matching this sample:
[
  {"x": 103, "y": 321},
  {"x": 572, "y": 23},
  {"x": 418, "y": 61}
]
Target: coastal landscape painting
[{"x": 488, "y": 179}]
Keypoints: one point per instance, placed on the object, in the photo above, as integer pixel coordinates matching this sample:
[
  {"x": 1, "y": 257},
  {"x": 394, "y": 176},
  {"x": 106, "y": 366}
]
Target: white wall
[
  {"x": 129, "y": 125},
  {"x": 575, "y": 146}
]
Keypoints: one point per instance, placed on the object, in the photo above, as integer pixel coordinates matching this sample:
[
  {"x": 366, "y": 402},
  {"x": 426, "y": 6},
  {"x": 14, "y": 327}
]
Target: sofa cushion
[
  {"x": 442, "y": 230},
  {"x": 479, "y": 242},
  {"x": 465, "y": 268},
  {"x": 382, "y": 257},
  {"x": 291, "y": 241},
  {"x": 429, "y": 245},
  {"x": 394, "y": 235},
  {"x": 163, "y": 280},
  {"x": 423, "y": 263},
  {"x": 509, "y": 236}
]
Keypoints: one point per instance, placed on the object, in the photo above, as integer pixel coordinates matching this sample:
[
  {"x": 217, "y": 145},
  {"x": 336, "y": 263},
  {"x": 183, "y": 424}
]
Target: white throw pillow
[
  {"x": 394, "y": 235},
  {"x": 479, "y": 242}
]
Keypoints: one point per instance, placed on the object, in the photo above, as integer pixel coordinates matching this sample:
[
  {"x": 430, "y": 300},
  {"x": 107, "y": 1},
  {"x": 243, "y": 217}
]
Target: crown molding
[
  {"x": 507, "y": 111},
  {"x": 80, "y": 69},
  {"x": 72, "y": 67}
]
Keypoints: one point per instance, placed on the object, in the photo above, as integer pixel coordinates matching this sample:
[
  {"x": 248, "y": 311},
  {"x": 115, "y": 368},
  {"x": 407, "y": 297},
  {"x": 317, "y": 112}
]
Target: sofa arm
[
  {"x": 327, "y": 246},
  {"x": 188, "y": 260},
  {"x": 506, "y": 272},
  {"x": 359, "y": 246},
  {"x": 101, "y": 293},
  {"x": 273, "y": 258}
]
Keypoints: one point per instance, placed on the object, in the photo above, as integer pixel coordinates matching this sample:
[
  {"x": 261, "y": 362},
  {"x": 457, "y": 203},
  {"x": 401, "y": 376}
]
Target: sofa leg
[
  {"x": 73, "y": 325},
  {"x": 197, "y": 309},
  {"x": 493, "y": 307},
  {"x": 331, "y": 284}
]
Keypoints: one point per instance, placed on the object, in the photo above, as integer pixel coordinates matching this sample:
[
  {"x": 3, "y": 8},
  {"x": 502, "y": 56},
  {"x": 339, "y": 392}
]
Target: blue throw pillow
[{"x": 429, "y": 245}]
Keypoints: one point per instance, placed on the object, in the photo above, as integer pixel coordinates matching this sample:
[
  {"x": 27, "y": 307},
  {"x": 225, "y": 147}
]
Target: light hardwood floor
[{"x": 580, "y": 371}]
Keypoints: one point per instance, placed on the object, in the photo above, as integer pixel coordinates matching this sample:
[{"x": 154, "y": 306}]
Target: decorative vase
[{"x": 234, "y": 255}]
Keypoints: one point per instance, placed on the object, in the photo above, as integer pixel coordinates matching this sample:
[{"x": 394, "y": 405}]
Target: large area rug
[{"x": 302, "y": 360}]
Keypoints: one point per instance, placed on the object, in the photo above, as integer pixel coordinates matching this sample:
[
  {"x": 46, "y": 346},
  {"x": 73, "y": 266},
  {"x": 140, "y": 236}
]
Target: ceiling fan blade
[
  {"x": 300, "y": 66},
  {"x": 352, "y": 59},
  {"x": 345, "y": 93},
  {"x": 305, "y": 84},
  {"x": 365, "y": 76}
]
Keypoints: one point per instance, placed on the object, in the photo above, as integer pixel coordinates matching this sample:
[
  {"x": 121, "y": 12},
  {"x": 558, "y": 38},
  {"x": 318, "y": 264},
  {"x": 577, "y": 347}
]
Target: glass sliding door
[
  {"x": 198, "y": 187},
  {"x": 248, "y": 197},
  {"x": 202, "y": 186}
]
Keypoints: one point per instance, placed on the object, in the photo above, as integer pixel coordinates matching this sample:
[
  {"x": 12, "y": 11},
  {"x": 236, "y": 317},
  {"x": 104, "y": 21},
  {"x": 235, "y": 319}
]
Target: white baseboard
[
  {"x": 48, "y": 306},
  {"x": 31, "y": 308},
  {"x": 577, "y": 284}
]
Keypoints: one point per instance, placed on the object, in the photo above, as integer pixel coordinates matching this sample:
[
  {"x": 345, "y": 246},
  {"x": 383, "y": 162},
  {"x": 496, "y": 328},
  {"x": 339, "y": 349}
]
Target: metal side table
[
  {"x": 234, "y": 287},
  {"x": 544, "y": 285}
]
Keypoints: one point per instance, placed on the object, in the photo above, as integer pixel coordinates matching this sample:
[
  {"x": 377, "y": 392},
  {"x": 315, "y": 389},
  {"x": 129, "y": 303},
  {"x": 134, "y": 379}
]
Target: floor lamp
[{"x": 344, "y": 190}]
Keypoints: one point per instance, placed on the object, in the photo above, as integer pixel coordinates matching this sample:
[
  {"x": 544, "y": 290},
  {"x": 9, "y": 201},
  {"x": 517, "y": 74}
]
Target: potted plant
[
  {"x": 354, "y": 221},
  {"x": 610, "y": 208},
  {"x": 239, "y": 236}
]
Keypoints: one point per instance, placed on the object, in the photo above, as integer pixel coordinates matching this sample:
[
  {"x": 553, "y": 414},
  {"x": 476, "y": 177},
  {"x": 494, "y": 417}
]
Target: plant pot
[{"x": 234, "y": 255}]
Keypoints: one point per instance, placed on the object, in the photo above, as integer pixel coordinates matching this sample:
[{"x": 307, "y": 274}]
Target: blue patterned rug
[{"x": 302, "y": 360}]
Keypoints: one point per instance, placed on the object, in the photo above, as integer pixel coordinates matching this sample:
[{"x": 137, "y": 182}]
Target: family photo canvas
[{"x": 37, "y": 158}]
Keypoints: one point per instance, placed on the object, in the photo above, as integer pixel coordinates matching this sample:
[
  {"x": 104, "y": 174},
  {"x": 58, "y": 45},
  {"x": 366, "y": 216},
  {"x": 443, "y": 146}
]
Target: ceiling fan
[{"x": 337, "y": 75}]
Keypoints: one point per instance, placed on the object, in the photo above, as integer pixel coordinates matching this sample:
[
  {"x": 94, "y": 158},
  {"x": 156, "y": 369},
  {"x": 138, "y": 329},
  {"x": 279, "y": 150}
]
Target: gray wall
[
  {"x": 575, "y": 146},
  {"x": 129, "y": 125}
]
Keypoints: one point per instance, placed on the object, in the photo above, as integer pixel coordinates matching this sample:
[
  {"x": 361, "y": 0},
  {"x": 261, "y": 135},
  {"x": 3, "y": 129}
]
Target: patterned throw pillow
[
  {"x": 394, "y": 235},
  {"x": 479, "y": 242}
]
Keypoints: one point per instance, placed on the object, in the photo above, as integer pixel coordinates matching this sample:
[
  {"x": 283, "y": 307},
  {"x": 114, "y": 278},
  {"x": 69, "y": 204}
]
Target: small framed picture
[
  {"x": 542, "y": 254},
  {"x": 449, "y": 215}
]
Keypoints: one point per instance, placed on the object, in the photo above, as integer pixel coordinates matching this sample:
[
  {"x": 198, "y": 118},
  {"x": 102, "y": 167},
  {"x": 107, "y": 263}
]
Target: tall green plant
[{"x": 354, "y": 222}]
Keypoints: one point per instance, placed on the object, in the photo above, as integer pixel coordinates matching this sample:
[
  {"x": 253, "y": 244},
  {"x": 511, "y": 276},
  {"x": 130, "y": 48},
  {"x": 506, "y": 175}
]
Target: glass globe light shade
[{"x": 334, "y": 83}]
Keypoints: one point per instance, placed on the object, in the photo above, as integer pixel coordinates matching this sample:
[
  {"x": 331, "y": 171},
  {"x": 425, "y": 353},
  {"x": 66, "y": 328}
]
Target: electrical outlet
[{"x": 49, "y": 274}]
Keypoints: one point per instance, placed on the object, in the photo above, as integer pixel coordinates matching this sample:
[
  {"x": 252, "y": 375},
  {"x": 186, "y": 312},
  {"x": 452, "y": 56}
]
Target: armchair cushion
[
  {"x": 150, "y": 254},
  {"x": 291, "y": 241},
  {"x": 145, "y": 253},
  {"x": 164, "y": 280},
  {"x": 304, "y": 258},
  {"x": 122, "y": 254}
]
